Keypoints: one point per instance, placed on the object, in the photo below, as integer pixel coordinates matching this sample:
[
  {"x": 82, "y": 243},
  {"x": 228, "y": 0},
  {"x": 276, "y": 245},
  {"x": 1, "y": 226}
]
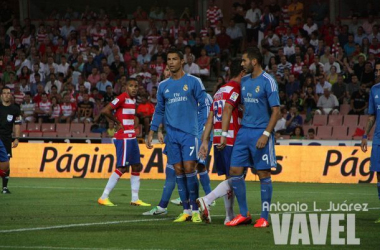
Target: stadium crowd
[{"x": 59, "y": 73}]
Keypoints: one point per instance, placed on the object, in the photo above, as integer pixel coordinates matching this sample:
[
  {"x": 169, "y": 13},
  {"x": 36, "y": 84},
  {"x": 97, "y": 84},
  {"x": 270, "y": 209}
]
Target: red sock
[{"x": 3, "y": 173}]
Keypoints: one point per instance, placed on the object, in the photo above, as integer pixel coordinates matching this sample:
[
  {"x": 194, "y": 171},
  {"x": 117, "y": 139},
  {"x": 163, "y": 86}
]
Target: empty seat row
[
  {"x": 337, "y": 132},
  {"x": 339, "y": 120}
]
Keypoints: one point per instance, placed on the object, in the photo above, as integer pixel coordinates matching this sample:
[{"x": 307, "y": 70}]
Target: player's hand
[
  {"x": 364, "y": 145},
  {"x": 203, "y": 150},
  {"x": 160, "y": 137},
  {"x": 15, "y": 143},
  {"x": 262, "y": 142},
  {"x": 222, "y": 145},
  {"x": 119, "y": 126},
  {"x": 148, "y": 140}
]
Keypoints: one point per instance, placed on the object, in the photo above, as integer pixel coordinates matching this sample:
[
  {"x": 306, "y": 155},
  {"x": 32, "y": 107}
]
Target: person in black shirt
[
  {"x": 109, "y": 96},
  {"x": 359, "y": 101},
  {"x": 9, "y": 114}
]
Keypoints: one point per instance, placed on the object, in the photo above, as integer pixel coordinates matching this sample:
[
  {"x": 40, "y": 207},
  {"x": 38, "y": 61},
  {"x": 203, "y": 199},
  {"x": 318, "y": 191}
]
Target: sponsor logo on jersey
[
  {"x": 234, "y": 96},
  {"x": 9, "y": 118},
  {"x": 115, "y": 101}
]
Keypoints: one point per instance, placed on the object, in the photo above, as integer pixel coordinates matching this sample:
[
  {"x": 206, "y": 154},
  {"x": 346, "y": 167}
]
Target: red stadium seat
[
  {"x": 340, "y": 133},
  {"x": 335, "y": 120},
  {"x": 35, "y": 134},
  {"x": 324, "y": 132},
  {"x": 49, "y": 134},
  {"x": 352, "y": 130},
  {"x": 32, "y": 127},
  {"x": 94, "y": 135},
  {"x": 77, "y": 129},
  {"x": 350, "y": 120},
  {"x": 48, "y": 127},
  {"x": 320, "y": 120},
  {"x": 87, "y": 127},
  {"x": 344, "y": 109},
  {"x": 363, "y": 119},
  {"x": 63, "y": 134},
  {"x": 23, "y": 127},
  {"x": 63, "y": 128}
]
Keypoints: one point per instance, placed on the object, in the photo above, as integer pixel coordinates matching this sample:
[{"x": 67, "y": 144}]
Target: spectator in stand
[
  {"x": 103, "y": 83},
  {"x": 293, "y": 120},
  {"x": 144, "y": 56},
  {"x": 297, "y": 133},
  {"x": 42, "y": 109},
  {"x": 332, "y": 62},
  {"x": 311, "y": 134},
  {"x": 53, "y": 81},
  {"x": 359, "y": 101},
  {"x": 85, "y": 110},
  {"x": 68, "y": 109},
  {"x": 281, "y": 123},
  {"x": 327, "y": 104},
  {"x": 213, "y": 13},
  {"x": 27, "y": 109},
  {"x": 319, "y": 10},
  {"x": 145, "y": 112},
  {"x": 332, "y": 77},
  {"x": 375, "y": 48},
  {"x": 66, "y": 30},
  {"x": 353, "y": 86},
  {"x": 267, "y": 20},
  {"x": 289, "y": 49},
  {"x": 191, "y": 67},
  {"x": 321, "y": 83},
  {"x": 94, "y": 78},
  {"x": 252, "y": 18},
  {"x": 54, "y": 93},
  {"x": 213, "y": 51},
  {"x": 140, "y": 14},
  {"x": 284, "y": 64},
  {"x": 18, "y": 95},
  {"x": 109, "y": 96},
  {"x": 153, "y": 96},
  {"x": 310, "y": 101},
  {"x": 349, "y": 48},
  {"x": 297, "y": 66},
  {"x": 64, "y": 66},
  {"x": 292, "y": 85},
  {"x": 55, "y": 110},
  {"x": 313, "y": 67},
  {"x": 295, "y": 10},
  {"x": 368, "y": 76},
  {"x": 310, "y": 26},
  {"x": 339, "y": 89}
]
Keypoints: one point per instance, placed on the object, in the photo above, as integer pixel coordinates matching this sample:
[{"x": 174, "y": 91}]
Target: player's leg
[
  {"x": 4, "y": 160},
  {"x": 169, "y": 186},
  {"x": 115, "y": 176},
  {"x": 222, "y": 161},
  {"x": 375, "y": 167},
  {"x": 181, "y": 181},
  {"x": 8, "y": 148},
  {"x": 265, "y": 159},
  {"x": 240, "y": 159},
  {"x": 204, "y": 178}
]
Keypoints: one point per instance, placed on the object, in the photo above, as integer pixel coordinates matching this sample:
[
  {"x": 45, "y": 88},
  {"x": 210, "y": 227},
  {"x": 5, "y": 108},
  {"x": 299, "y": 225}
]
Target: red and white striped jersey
[
  {"x": 41, "y": 37},
  {"x": 230, "y": 93},
  {"x": 213, "y": 14},
  {"x": 68, "y": 109},
  {"x": 44, "y": 106},
  {"x": 151, "y": 38},
  {"x": 56, "y": 111},
  {"x": 159, "y": 68},
  {"x": 125, "y": 113}
]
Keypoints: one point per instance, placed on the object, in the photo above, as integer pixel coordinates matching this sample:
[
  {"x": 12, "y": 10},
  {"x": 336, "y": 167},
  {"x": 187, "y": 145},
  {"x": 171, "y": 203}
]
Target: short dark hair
[
  {"x": 176, "y": 51},
  {"x": 131, "y": 80},
  {"x": 235, "y": 68},
  {"x": 254, "y": 53},
  {"x": 5, "y": 88}
]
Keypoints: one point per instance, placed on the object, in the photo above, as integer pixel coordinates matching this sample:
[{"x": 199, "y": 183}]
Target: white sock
[
  {"x": 114, "y": 178},
  {"x": 135, "y": 186},
  {"x": 187, "y": 211},
  {"x": 229, "y": 204},
  {"x": 219, "y": 191}
]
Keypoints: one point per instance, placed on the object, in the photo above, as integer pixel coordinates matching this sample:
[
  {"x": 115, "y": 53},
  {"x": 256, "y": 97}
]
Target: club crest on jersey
[
  {"x": 9, "y": 118},
  {"x": 257, "y": 89},
  {"x": 185, "y": 88}
]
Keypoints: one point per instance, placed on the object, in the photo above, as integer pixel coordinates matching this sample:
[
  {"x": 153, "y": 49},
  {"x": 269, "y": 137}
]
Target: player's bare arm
[
  {"x": 370, "y": 123},
  {"x": 226, "y": 118},
  {"x": 206, "y": 136},
  {"x": 276, "y": 115},
  {"x": 160, "y": 135},
  {"x": 17, "y": 135},
  {"x": 107, "y": 112}
]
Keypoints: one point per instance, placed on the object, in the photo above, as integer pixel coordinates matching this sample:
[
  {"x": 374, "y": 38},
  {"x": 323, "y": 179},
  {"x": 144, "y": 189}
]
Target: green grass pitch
[{"x": 70, "y": 205}]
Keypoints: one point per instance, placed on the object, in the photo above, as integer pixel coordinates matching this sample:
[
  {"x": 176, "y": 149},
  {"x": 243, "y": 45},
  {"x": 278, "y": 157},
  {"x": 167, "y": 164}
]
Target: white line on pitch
[
  {"x": 134, "y": 221},
  {"x": 79, "y": 225},
  {"x": 155, "y": 189},
  {"x": 64, "y": 248}
]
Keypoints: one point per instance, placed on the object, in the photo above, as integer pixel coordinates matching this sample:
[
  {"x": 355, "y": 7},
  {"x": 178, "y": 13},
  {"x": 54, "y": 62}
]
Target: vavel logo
[{"x": 341, "y": 226}]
